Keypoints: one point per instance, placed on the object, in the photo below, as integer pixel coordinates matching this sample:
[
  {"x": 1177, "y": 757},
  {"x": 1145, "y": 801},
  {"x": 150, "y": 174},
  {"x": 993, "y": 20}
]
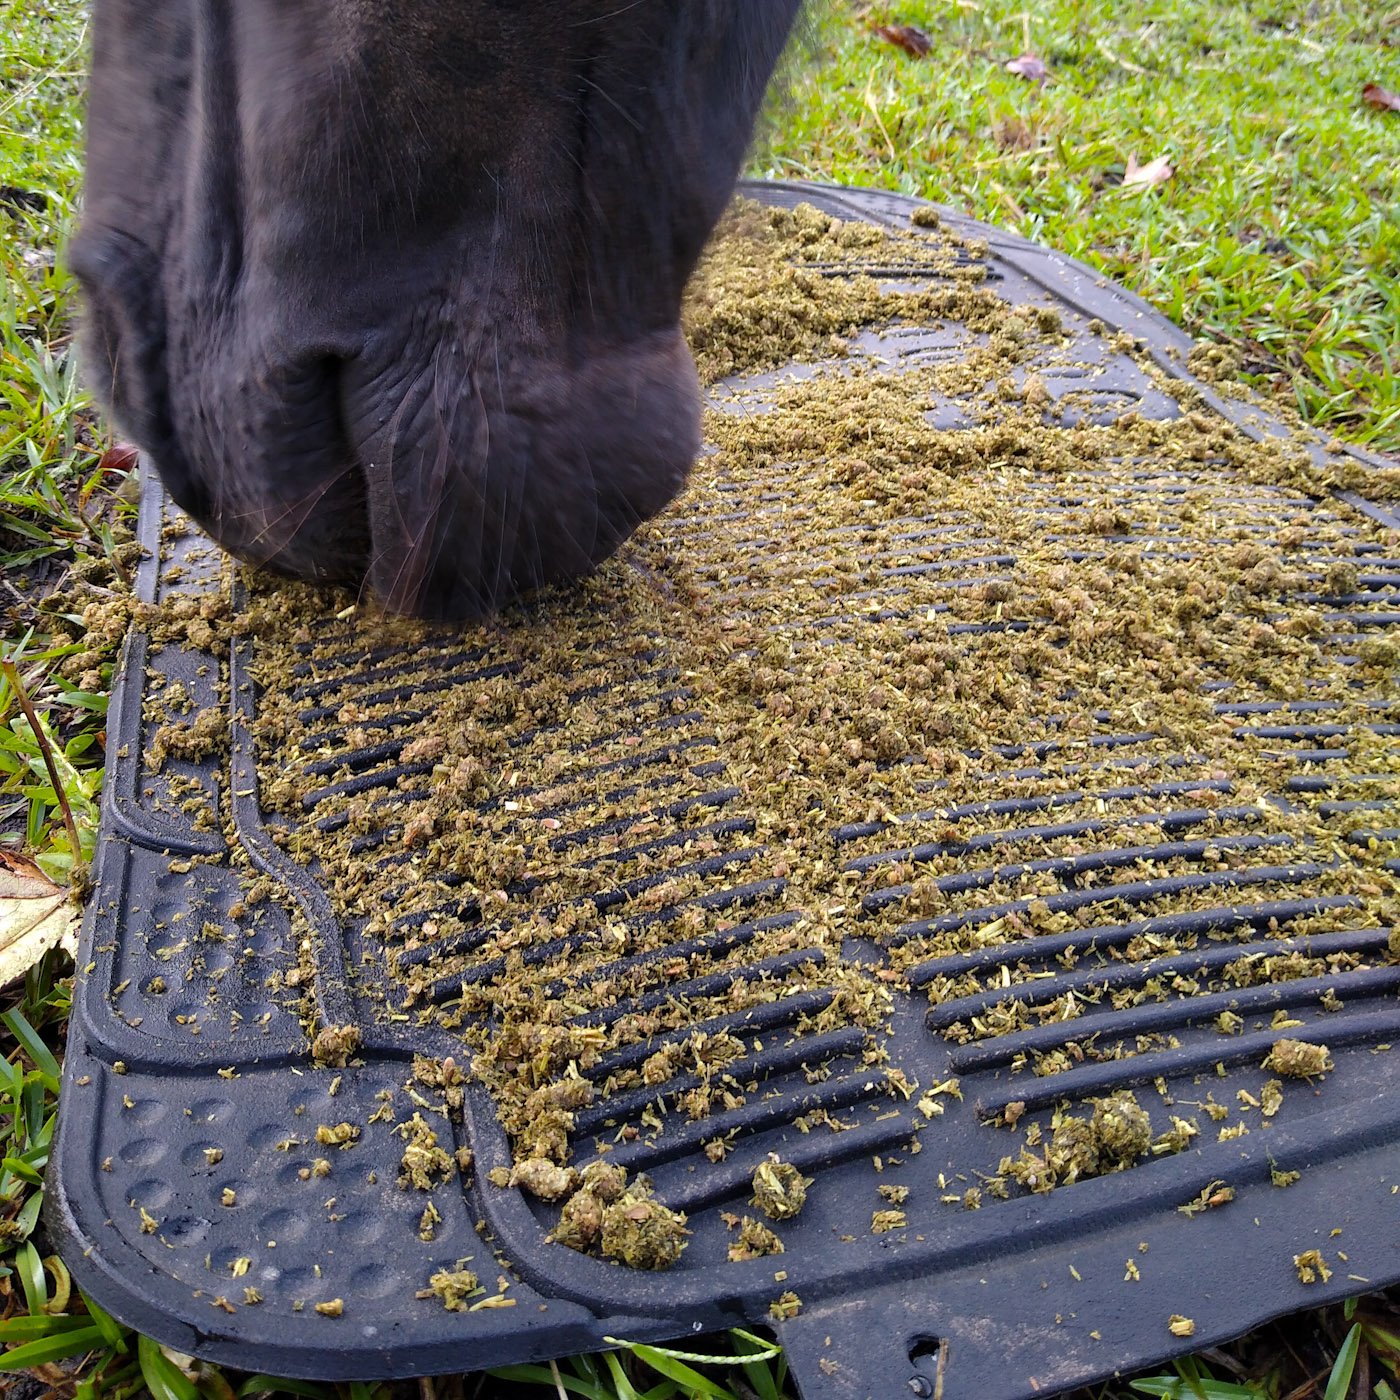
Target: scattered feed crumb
[
  {"x": 453, "y": 1287},
  {"x": 755, "y": 1240},
  {"x": 341, "y": 1135},
  {"x": 1311, "y": 1267},
  {"x": 784, "y": 1306}
]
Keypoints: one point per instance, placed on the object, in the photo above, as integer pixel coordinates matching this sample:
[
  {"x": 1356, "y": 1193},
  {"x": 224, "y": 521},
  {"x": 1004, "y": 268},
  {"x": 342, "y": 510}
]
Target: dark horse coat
[{"x": 389, "y": 289}]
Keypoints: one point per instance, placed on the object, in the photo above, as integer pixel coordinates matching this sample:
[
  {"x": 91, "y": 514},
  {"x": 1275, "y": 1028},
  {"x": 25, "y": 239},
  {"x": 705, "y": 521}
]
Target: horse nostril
[
  {"x": 289, "y": 491},
  {"x": 475, "y": 498}
]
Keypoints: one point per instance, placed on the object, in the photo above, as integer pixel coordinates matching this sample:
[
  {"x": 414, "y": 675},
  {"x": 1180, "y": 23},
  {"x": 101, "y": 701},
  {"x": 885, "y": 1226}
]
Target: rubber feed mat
[{"x": 185, "y": 1170}]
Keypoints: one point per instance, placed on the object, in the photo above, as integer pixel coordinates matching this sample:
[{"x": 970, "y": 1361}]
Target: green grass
[
  {"x": 55, "y": 504},
  {"x": 1279, "y": 233}
]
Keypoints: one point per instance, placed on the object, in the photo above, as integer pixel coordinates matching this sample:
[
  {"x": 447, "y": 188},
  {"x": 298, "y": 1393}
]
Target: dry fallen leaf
[
  {"x": 1143, "y": 177},
  {"x": 1382, "y": 99},
  {"x": 908, "y": 37},
  {"x": 121, "y": 457},
  {"x": 1029, "y": 66},
  {"x": 35, "y": 915}
]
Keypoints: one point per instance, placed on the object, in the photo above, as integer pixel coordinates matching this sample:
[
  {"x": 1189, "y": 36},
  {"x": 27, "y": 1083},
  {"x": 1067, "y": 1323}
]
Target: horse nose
[{"x": 475, "y": 497}]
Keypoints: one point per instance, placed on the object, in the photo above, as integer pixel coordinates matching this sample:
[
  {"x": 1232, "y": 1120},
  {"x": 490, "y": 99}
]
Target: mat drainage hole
[{"x": 925, "y": 1355}]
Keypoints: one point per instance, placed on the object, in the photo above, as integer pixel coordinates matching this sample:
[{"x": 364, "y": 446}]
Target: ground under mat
[{"x": 933, "y": 894}]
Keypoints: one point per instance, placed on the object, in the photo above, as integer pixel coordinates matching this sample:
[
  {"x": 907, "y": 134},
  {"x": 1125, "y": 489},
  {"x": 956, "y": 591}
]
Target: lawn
[
  {"x": 1278, "y": 230},
  {"x": 1218, "y": 158}
]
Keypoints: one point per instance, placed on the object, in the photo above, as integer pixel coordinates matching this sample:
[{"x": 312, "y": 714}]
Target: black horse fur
[{"x": 389, "y": 290}]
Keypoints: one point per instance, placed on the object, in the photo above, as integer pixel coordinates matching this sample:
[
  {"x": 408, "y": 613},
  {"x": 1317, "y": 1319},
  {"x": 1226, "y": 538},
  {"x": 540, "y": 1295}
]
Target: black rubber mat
[{"x": 193, "y": 1198}]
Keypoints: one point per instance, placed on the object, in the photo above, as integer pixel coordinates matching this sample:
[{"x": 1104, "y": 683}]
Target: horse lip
[{"x": 479, "y": 496}]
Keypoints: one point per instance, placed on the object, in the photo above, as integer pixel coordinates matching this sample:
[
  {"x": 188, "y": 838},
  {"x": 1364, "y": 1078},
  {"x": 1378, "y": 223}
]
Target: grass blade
[
  {"x": 691, "y": 1382},
  {"x": 59, "y": 1347},
  {"x": 29, "y": 1329},
  {"x": 28, "y": 1216},
  {"x": 1195, "y": 1388},
  {"x": 1339, "y": 1382},
  {"x": 623, "y": 1386},
  {"x": 273, "y": 1385},
  {"x": 165, "y": 1379},
  {"x": 701, "y": 1358},
  {"x": 543, "y": 1376},
  {"x": 62, "y": 1285},
  {"x": 762, "y": 1350},
  {"x": 31, "y": 1277},
  {"x": 213, "y": 1385},
  {"x": 113, "y": 1333},
  {"x": 33, "y": 1045},
  {"x": 20, "y": 1168}
]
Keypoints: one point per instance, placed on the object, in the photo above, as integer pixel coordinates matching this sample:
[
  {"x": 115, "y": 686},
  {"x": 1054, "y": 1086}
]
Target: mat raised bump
[{"x": 1108, "y": 916}]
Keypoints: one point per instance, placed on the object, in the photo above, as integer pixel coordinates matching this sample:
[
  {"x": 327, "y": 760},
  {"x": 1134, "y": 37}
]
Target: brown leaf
[
  {"x": 19, "y": 865},
  {"x": 908, "y": 37},
  {"x": 120, "y": 457},
  {"x": 1143, "y": 177},
  {"x": 1029, "y": 66},
  {"x": 35, "y": 914},
  {"x": 1382, "y": 99}
]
